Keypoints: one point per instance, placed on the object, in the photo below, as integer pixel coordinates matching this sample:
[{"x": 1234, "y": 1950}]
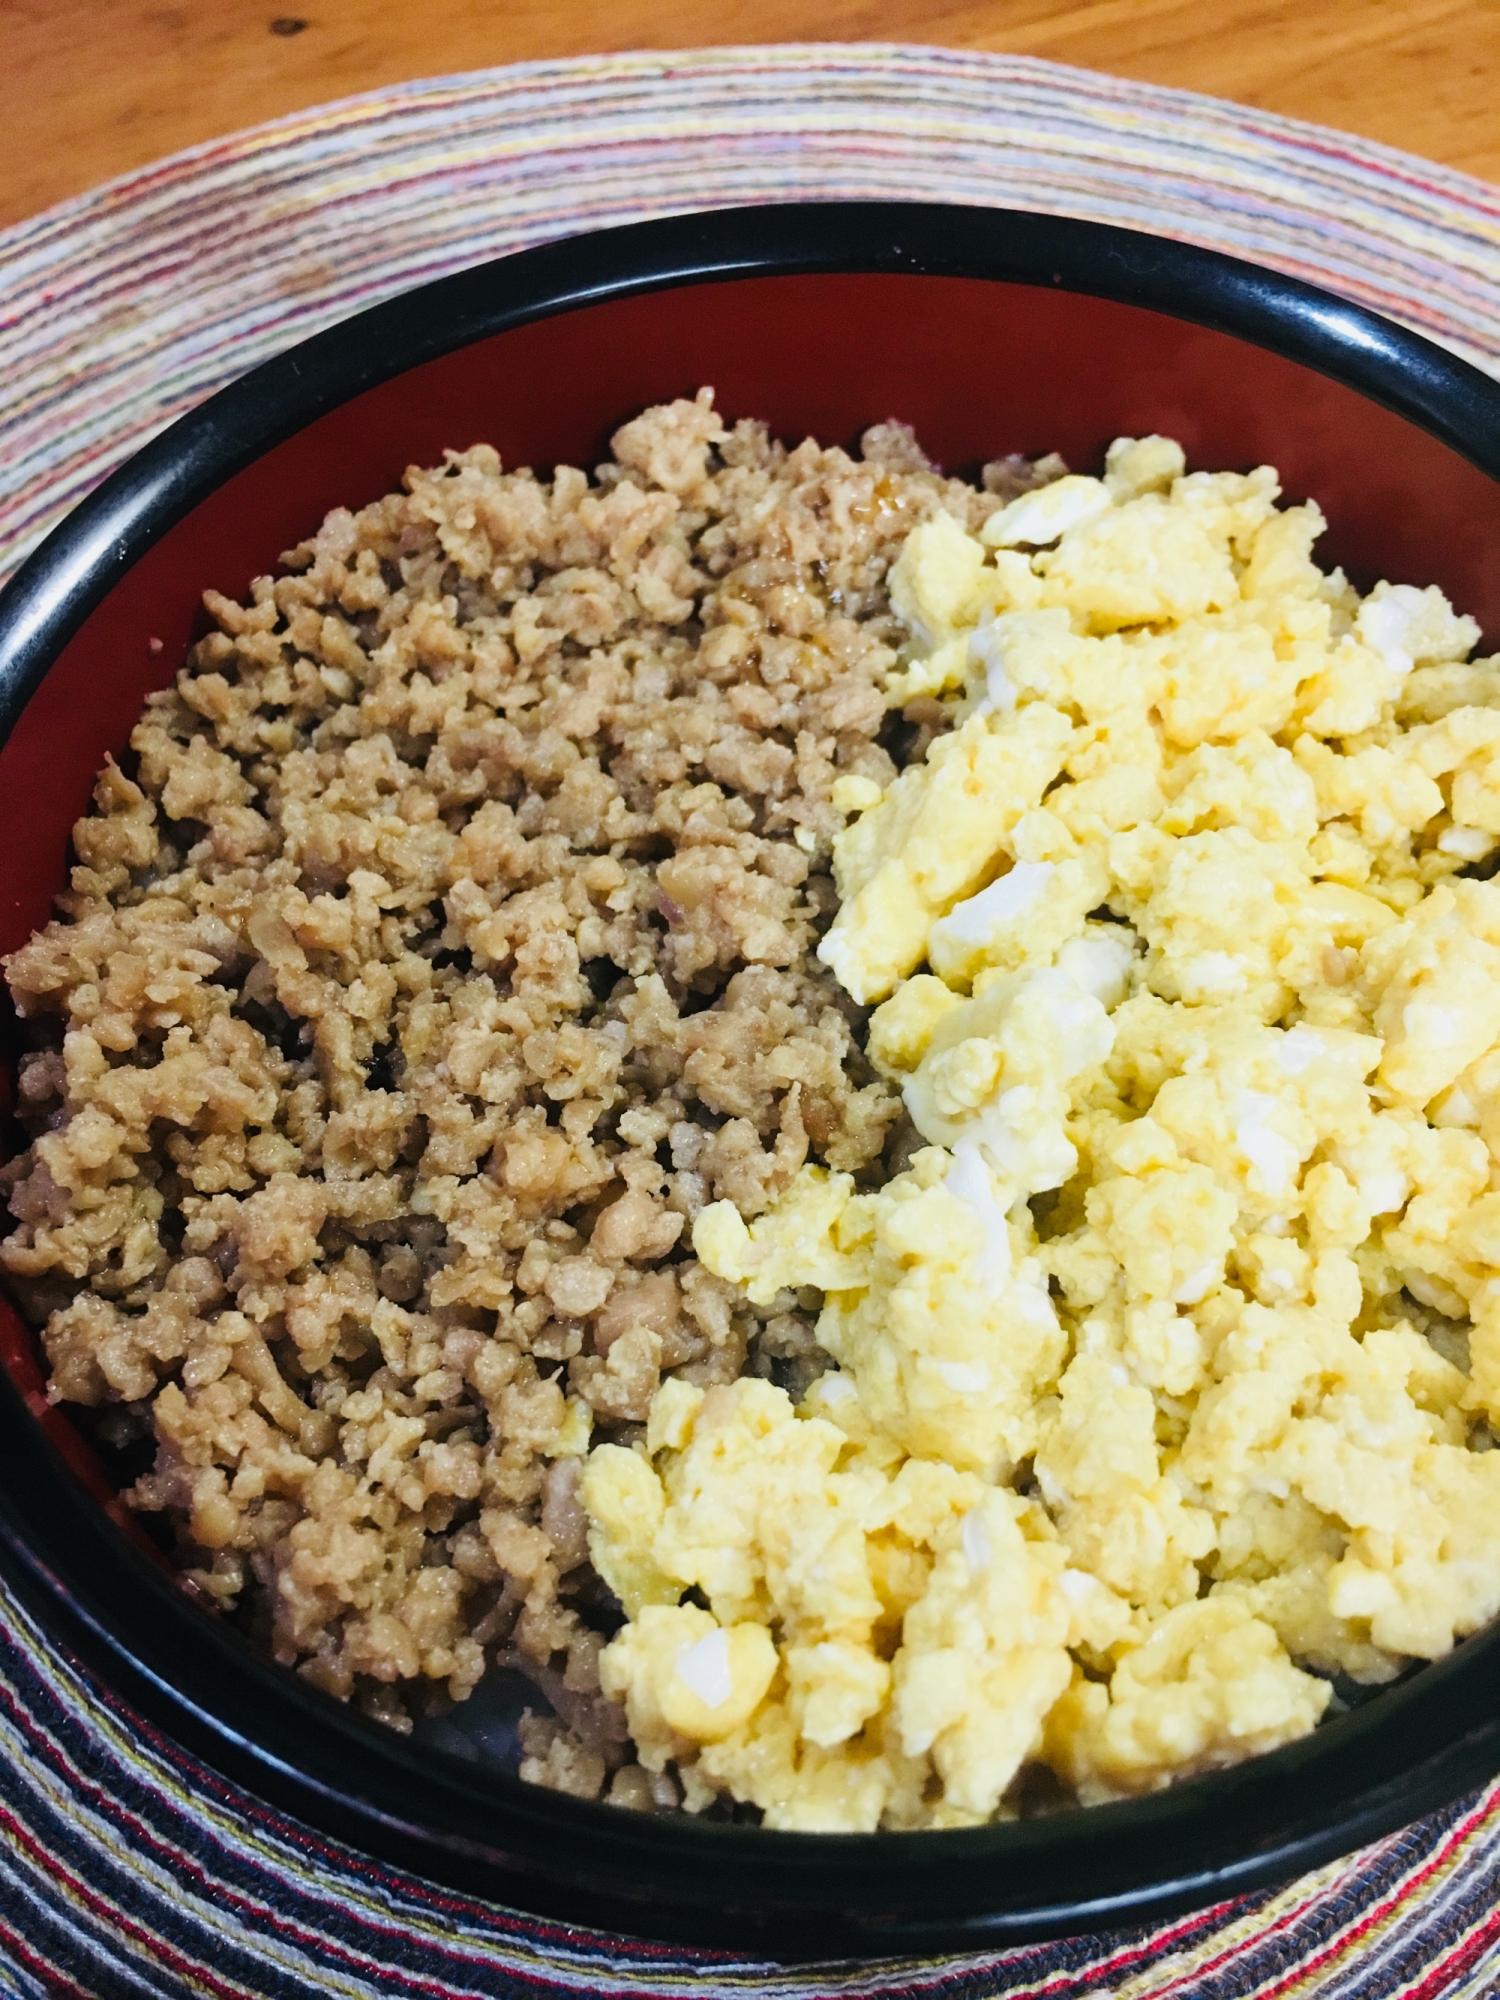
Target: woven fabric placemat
[{"x": 126, "y": 1868}]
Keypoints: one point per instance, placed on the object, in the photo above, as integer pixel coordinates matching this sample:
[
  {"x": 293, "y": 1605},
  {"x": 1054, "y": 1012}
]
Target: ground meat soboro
[{"x": 442, "y": 947}]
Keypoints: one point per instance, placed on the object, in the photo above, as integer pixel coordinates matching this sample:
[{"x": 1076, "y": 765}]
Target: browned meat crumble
[{"x": 443, "y": 945}]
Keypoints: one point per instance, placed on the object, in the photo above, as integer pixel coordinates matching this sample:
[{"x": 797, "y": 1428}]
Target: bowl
[{"x": 991, "y": 332}]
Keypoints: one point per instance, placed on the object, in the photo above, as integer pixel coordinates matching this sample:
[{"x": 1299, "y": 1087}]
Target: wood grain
[{"x": 93, "y": 88}]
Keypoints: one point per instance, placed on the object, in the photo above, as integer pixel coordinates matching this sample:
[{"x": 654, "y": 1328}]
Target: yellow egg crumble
[{"x": 1164, "y": 1371}]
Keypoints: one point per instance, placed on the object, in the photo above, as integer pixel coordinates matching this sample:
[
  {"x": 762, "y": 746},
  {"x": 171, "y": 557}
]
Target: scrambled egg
[{"x": 1164, "y": 1376}]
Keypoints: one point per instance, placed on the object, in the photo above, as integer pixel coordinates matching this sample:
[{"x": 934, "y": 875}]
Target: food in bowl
[{"x": 460, "y": 1144}]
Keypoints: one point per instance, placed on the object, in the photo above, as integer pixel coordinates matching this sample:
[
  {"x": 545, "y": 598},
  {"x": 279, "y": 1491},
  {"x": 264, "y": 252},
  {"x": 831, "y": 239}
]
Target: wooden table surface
[{"x": 96, "y": 87}]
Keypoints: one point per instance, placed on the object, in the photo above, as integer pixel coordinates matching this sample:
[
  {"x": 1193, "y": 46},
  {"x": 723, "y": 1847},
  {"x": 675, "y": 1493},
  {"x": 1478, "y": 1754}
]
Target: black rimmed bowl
[{"x": 991, "y": 332}]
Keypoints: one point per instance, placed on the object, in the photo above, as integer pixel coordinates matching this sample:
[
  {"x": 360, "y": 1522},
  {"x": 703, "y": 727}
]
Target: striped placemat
[{"x": 126, "y": 1869}]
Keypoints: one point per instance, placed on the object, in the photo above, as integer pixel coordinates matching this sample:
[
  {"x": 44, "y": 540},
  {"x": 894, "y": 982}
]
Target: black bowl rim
[{"x": 797, "y": 1896}]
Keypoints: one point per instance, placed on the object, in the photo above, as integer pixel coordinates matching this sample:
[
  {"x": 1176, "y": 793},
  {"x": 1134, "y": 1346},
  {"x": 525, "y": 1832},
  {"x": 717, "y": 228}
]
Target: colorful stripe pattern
[{"x": 126, "y": 1868}]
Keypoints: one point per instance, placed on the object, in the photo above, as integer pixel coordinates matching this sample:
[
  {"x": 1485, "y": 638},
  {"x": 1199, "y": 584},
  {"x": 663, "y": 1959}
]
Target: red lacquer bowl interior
[{"x": 981, "y": 366}]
